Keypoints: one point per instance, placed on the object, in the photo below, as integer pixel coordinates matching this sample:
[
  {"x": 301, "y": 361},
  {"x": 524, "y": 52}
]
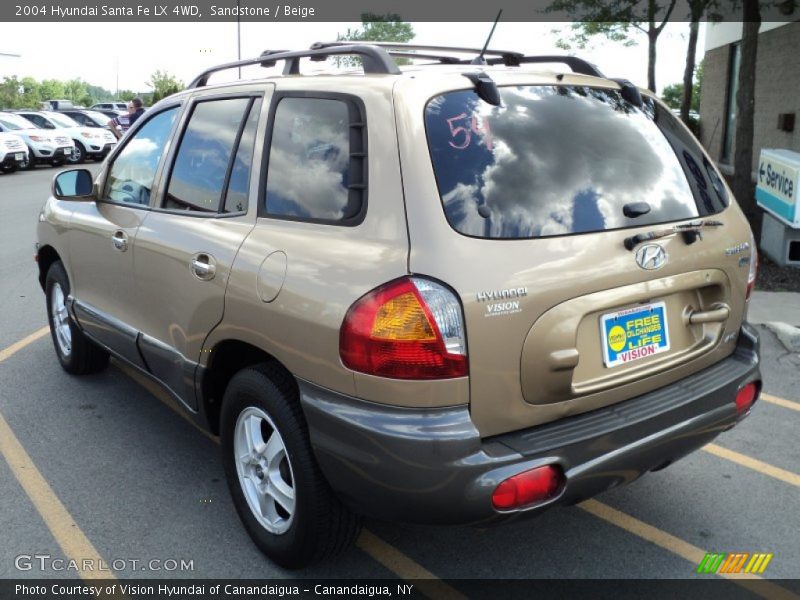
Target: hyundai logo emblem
[{"x": 651, "y": 257}]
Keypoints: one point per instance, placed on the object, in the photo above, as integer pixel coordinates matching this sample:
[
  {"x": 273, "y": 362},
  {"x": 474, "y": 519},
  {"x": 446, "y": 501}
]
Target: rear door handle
[
  {"x": 717, "y": 313},
  {"x": 120, "y": 240},
  {"x": 204, "y": 267}
]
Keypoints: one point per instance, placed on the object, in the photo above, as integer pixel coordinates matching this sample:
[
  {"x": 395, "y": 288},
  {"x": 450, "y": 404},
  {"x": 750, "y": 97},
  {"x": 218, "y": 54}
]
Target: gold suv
[{"x": 460, "y": 292}]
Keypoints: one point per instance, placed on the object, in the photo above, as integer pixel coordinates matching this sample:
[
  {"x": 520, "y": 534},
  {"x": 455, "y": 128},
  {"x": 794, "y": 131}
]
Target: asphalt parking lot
[{"x": 102, "y": 467}]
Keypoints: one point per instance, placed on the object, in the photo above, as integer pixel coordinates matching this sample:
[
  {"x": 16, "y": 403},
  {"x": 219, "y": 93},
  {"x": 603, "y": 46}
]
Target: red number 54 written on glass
[{"x": 463, "y": 126}]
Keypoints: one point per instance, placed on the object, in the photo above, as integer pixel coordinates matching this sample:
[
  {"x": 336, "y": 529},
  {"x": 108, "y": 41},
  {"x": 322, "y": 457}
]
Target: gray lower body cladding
[{"x": 431, "y": 466}]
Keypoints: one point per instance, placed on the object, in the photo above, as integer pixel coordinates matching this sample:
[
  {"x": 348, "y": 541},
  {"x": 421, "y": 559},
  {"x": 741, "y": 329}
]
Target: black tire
[
  {"x": 78, "y": 154},
  {"x": 321, "y": 526},
  {"x": 56, "y": 163},
  {"x": 83, "y": 356},
  {"x": 10, "y": 169}
]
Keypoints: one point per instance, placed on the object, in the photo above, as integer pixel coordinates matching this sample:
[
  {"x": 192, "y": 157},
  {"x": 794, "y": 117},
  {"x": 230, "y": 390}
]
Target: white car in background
[
  {"x": 13, "y": 152},
  {"x": 44, "y": 146},
  {"x": 123, "y": 106},
  {"x": 90, "y": 142}
]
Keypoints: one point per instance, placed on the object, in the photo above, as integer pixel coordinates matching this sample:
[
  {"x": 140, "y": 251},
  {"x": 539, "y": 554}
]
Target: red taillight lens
[
  {"x": 536, "y": 485},
  {"x": 745, "y": 397},
  {"x": 408, "y": 329}
]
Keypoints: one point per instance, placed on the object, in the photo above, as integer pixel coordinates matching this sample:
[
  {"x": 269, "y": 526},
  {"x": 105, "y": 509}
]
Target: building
[{"x": 777, "y": 98}]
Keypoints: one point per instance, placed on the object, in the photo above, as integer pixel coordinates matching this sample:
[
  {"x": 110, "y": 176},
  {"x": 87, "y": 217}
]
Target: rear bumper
[{"x": 431, "y": 466}]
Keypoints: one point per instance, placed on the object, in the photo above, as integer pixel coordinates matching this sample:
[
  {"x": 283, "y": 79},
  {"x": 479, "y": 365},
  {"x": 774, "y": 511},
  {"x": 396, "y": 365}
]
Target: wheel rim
[
  {"x": 60, "y": 318},
  {"x": 264, "y": 470},
  {"x": 76, "y": 154}
]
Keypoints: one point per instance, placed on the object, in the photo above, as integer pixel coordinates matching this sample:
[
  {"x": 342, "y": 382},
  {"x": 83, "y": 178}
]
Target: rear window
[{"x": 560, "y": 160}]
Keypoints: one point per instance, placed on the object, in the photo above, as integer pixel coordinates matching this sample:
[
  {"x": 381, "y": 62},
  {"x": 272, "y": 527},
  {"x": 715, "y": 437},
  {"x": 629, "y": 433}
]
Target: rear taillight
[
  {"x": 411, "y": 328},
  {"x": 528, "y": 487},
  {"x": 745, "y": 397},
  {"x": 753, "y": 272}
]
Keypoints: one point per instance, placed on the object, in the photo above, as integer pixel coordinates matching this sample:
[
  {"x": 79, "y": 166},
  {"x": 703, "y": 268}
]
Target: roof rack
[
  {"x": 578, "y": 65},
  {"x": 374, "y": 60},
  {"x": 507, "y": 57},
  {"x": 377, "y": 58}
]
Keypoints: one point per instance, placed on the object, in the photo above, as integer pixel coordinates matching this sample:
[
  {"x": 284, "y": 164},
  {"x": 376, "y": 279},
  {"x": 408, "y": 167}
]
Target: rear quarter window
[{"x": 561, "y": 160}]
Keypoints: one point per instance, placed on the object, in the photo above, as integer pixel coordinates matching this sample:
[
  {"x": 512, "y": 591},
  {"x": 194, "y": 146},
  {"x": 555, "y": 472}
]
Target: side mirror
[
  {"x": 75, "y": 184},
  {"x": 49, "y": 125}
]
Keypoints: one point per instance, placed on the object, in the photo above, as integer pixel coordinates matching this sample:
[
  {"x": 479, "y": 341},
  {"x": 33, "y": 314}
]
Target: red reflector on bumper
[
  {"x": 536, "y": 485},
  {"x": 745, "y": 397}
]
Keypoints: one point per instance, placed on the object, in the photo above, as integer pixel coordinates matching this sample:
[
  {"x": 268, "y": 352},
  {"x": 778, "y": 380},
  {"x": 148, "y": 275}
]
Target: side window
[
  {"x": 204, "y": 155},
  {"x": 131, "y": 177},
  {"x": 239, "y": 184},
  {"x": 317, "y": 161},
  {"x": 37, "y": 120}
]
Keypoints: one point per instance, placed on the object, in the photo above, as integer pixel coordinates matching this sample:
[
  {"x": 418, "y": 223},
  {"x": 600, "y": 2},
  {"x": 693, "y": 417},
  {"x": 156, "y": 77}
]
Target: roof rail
[
  {"x": 578, "y": 65},
  {"x": 374, "y": 60},
  {"x": 507, "y": 57}
]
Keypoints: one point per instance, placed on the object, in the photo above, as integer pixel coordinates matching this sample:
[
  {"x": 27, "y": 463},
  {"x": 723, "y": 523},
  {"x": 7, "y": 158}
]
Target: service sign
[{"x": 777, "y": 184}]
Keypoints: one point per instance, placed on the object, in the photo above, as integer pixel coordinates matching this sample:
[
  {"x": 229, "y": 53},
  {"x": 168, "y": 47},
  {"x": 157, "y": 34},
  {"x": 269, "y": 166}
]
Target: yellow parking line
[
  {"x": 780, "y": 402},
  {"x": 682, "y": 548},
  {"x": 390, "y": 557},
  {"x": 65, "y": 530},
  {"x": 7, "y": 353},
  {"x": 62, "y": 526},
  {"x": 406, "y": 568},
  {"x": 752, "y": 463}
]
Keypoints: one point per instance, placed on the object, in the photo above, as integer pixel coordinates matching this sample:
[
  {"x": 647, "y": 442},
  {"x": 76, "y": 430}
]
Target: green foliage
[
  {"x": 163, "y": 85},
  {"x": 30, "y": 93},
  {"x": 376, "y": 28},
  {"x": 672, "y": 95},
  {"x": 580, "y": 34}
]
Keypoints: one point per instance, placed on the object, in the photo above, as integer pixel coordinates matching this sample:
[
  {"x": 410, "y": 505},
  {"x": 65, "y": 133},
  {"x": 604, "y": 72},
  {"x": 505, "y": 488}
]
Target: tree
[
  {"x": 697, "y": 9},
  {"x": 163, "y": 85},
  {"x": 9, "y": 92},
  {"x": 745, "y": 108},
  {"x": 673, "y": 94},
  {"x": 376, "y": 28},
  {"x": 615, "y": 19}
]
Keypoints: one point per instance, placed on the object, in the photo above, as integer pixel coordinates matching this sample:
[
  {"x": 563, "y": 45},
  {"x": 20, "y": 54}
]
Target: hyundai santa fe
[{"x": 456, "y": 292}]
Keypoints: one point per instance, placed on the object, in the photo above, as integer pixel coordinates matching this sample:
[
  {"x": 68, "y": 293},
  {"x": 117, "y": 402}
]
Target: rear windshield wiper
[{"x": 690, "y": 231}]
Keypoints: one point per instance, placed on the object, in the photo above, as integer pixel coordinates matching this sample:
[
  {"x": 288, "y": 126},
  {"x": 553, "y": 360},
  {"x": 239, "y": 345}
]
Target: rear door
[
  {"x": 185, "y": 250},
  {"x": 525, "y": 210}
]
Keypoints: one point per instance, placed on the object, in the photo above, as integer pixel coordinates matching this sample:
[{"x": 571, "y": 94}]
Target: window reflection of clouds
[
  {"x": 204, "y": 154},
  {"x": 132, "y": 173},
  {"x": 564, "y": 160},
  {"x": 308, "y": 161}
]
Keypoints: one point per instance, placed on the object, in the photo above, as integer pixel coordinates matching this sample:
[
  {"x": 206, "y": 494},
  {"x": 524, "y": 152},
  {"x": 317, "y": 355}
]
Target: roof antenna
[{"x": 479, "y": 60}]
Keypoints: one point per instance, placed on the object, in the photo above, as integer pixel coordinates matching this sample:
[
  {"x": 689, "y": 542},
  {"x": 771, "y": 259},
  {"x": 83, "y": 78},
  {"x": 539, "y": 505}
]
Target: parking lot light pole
[{"x": 238, "y": 37}]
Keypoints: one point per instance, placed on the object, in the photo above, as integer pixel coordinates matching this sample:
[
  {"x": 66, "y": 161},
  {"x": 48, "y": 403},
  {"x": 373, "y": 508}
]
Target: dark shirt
[
  {"x": 122, "y": 123},
  {"x": 134, "y": 116}
]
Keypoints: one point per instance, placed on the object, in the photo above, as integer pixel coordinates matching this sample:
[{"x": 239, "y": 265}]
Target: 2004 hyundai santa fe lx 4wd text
[{"x": 460, "y": 292}]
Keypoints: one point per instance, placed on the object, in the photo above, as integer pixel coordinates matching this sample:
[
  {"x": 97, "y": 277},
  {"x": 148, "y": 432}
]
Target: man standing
[
  {"x": 137, "y": 111},
  {"x": 120, "y": 124}
]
